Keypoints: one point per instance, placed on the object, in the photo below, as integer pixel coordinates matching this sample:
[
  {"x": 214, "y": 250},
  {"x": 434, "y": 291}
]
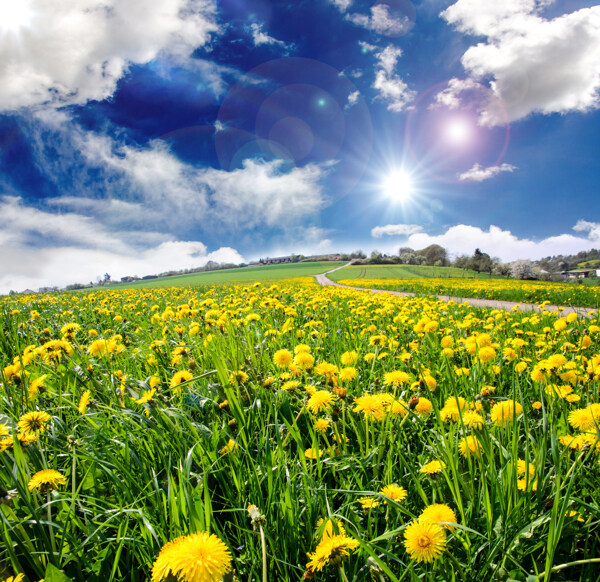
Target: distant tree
[
  {"x": 462, "y": 262},
  {"x": 523, "y": 269},
  {"x": 434, "y": 253},
  {"x": 408, "y": 259},
  {"x": 501, "y": 269},
  {"x": 481, "y": 262},
  {"x": 402, "y": 250},
  {"x": 359, "y": 254}
]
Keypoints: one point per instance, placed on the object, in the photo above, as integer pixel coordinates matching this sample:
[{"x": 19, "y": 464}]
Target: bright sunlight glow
[
  {"x": 398, "y": 186},
  {"x": 458, "y": 131},
  {"x": 14, "y": 15}
]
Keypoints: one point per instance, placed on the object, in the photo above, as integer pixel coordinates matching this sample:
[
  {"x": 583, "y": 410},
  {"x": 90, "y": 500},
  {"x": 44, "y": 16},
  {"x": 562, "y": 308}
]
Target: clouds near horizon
[{"x": 463, "y": 239}]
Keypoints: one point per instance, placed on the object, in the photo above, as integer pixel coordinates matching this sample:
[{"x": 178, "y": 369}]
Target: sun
[{"x": 398, "y": 186}]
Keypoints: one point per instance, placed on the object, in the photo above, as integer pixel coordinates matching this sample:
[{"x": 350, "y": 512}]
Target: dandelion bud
[{"x": 257, "y": 519}]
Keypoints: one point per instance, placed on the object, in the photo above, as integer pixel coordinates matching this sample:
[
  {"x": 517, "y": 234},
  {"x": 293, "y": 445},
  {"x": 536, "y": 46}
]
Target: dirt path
[{"x": 507, "y": 305}]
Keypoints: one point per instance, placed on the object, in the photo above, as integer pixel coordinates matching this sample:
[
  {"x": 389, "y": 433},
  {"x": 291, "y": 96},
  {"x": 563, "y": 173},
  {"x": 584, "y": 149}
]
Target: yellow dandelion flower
[
  {"x": 472, "y": 419},
  {"x": 433, "y": 467},
  {"x": 424, "y": 407},
  {"x": 179, "y": 378},
  {"x": 320, "y": 400},
  {"x": 505, "y": 411},
  {"x": 394, "y": 492},
  {"x": 470, "y": 446},
  {"x": 98, "y": 347},
  {"x": 349, "y": 358},
  {"x": 440, "y": 514},
  {"x": 395, "y": 378},
  {"x": 229, "y": 447},
  {"x": 304, "y": 360},
  {"x": 370, "y": 405},
  {"x": 46, "y": 480},
  {"x": 424, "y": 541},
  {"x": 331, "y": 551},
  {"x": 524, "y": 467},
  {"x": 524, "y": 485},
  {"x": 84, "y": 402},
  {"x": 199, "y": 557},
  {"x": 329, "y": 528},
  {"x": 283, "y": 358},
  {"x": 322, "y": 424},
  {"x": 312, "y": 453},
  {"x": 348, "y": 374},
  {"x": 33, "y": 422},
  {"x": 368, "y": 502}
]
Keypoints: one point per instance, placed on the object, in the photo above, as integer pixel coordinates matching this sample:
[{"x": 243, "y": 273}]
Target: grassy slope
[
  {"x": 402, "y": 272},
  {"x": 244, "y": 274}
]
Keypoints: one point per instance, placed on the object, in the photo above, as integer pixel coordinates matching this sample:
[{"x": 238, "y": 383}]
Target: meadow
[
  {"x": 425, "y": 281},
  {"x": 239, "y": 275},
  {"x": 290, "y": 432}
]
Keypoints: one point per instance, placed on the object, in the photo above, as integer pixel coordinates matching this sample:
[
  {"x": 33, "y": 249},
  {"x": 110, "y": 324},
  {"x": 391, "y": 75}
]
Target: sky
[{"x": 139, "y": 137}]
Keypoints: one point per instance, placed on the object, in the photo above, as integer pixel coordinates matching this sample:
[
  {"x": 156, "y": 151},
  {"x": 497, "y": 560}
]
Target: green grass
[
  {"x": 241, "y": 275},
  {"x": 403, "y": 272}
]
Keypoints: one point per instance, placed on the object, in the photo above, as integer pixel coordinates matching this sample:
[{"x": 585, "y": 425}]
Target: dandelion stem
[
  {"x": 264, "y": 554},
  {"x": 342, "y": 573}
]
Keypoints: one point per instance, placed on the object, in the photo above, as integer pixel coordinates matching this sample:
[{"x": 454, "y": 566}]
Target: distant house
[
  {"x": 28, "y": 292},
  {"x": 581, "y": 274},
  {"x": 276, "y": 260}
]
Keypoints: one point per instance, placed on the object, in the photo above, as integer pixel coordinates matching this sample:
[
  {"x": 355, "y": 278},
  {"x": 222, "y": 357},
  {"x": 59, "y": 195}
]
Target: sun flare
[
  {"x": 458, "y": 131},
  {"x": 398, "y": 186}
]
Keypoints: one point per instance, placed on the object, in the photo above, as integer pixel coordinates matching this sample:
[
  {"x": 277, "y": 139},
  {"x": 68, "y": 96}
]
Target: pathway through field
[{"x": 508, "y": 305}]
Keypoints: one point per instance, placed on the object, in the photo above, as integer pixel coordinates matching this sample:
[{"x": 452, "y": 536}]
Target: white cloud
[
  {"x": 262, "y": 193},
  {"x": 352, "y": 99},
  {"x": 149, "y": 187},
  {"x": 381, "y": 21},
  {"x": 395, "y": 230},
  {"x": 259, "y": 37},
  {"x": 74, "y": 51},
  {"x": 464, "y": 239},
  {"x": 27, "y": 268},
  {"x": 533, "y": 64},
  {"x": 390, "y": 86},
  {"x": 41, "y": 248},
  {"x": 341, "y": 5},
  {"x": 478, "y": 173},
  {"x": 592, "y": 227}
]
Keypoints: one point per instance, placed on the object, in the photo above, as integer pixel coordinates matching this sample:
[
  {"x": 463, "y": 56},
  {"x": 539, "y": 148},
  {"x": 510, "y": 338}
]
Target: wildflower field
[
  {"x": 569, "y": 294},
  {"x": 295, "y": 432}
]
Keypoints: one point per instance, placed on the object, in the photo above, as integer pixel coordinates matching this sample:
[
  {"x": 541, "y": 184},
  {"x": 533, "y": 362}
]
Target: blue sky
[{"x": 140, "y": 137}]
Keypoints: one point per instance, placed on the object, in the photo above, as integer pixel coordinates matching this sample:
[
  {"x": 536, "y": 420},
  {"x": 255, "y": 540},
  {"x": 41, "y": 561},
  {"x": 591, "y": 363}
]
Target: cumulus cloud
[
  {"x": 381, "y": 21},
  {"x": 341, "y": 5},
  {"x": 150, "y": 187},
  {"x": 73, "y": 51},
  {"x": 478, "y": 173},
  {"x": 464, "y": 239},
  {"x": 26, "y": 268},
  {"x": 586, "y": 226},
  {"x": 352, "y": 99},
  {"x": 395, "y": 230},
  {"x": 390, "y": 86},
  {"x": 533, "y": 64},
  {"x": 259, "y": 37},
  {"x": 41, "y": 248}
]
